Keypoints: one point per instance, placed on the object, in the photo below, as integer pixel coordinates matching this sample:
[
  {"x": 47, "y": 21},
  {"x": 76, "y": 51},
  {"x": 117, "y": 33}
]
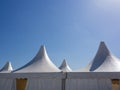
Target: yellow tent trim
[{"x": 21, "y": 84}]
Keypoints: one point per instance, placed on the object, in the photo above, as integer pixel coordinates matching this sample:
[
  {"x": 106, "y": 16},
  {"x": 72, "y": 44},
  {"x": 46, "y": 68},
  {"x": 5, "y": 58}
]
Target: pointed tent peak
[
  {"x": 103, "y": 48},
  {"x": 65, "y": 67},
  {"x": 42, "y": 52},
  {"x": 102, "y": 43},
  {"x": 64, "y": 63},
  {"x": 42, "y": 47},
  {"x": 101, "y": 55},
  {"x": 7, "y": 67}
]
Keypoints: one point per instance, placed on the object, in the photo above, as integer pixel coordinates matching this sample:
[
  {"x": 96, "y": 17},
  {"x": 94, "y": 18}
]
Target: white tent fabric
[
  {"x": 88, "y": 84},
  {"x": 7, "y": 68},
  {"x": 35, "y": 81},
  {"x": 104, "y": 61},
  {"x": 40, "y": 63},
  {"x": 43, "y": 84},
  {"x": 65, "y": 67},
  {"x": 6, "y": 84}
]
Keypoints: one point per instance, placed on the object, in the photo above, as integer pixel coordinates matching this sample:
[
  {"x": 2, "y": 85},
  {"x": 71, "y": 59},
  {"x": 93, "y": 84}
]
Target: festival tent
[
  {"x": 49, "y": 77},
  {"x": 65, "y": 67},
  {"x": 105, "y": 61},
  {"x": 39, "y": 74},
  {"x": 103, "y": 73},
  {"x": 7, "y": 68}
]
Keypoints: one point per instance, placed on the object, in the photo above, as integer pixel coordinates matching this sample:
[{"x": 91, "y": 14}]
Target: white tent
[
  {"x": 39, "y": 74},
  {"x": 65, "y": 67},
  {"x": 103, "y": 73},
  {"x": 104, "y": 61},
  {"x": 7, "y": 68}
]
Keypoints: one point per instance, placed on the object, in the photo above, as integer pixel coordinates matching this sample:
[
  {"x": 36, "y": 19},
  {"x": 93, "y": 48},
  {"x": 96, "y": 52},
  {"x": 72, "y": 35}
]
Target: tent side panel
[
  {"x": 88, "y": 84},
  {"x": 44, "y": 84},
  {"x": 6, "y": 83}
]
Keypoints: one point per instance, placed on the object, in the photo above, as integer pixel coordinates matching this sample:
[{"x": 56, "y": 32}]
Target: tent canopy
[
  {"x": 104, "y": 61},
  {"x": 40, "y": 63}
]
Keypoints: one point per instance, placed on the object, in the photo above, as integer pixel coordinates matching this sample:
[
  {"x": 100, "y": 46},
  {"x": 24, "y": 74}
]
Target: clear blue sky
[{"x": 70, "y": 29}]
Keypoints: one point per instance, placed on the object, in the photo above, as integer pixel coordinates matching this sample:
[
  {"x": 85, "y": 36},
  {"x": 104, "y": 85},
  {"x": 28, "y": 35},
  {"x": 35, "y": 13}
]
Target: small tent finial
[
  {"x": 7, "y": 67},
  {"x": 64, "y": 66}
]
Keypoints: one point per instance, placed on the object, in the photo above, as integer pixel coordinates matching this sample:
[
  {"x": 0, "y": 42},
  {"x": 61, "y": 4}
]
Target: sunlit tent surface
[
  {"x": 7, "y": 68},
  {"x": 65, "y": 67},
  {"x": 40, "y": 63}
]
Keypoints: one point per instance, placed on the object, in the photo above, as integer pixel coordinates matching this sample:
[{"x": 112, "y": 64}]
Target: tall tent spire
[
  {"x": 41, "y": 53},
  {"x": 40, "y": 63},
  {"x": 100, "y": 57},
  {"x": 65, "y": 67},
  {"x": 7, "y": 67},
  {"x": 104, "y": 60}
]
